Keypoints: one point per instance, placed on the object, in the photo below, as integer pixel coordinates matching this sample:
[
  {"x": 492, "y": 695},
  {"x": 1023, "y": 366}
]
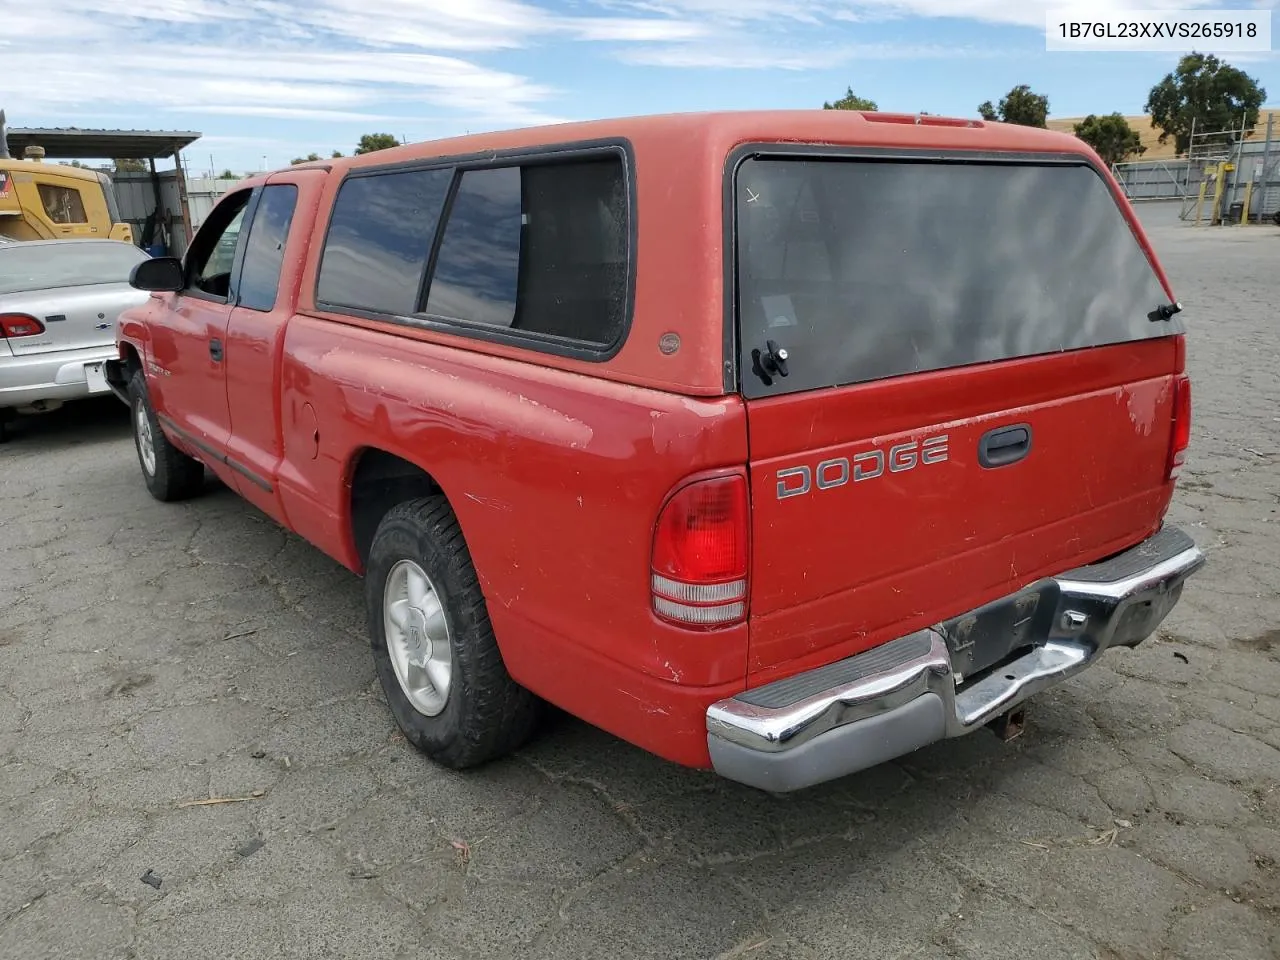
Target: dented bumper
[{"x": 948, "y": 680}]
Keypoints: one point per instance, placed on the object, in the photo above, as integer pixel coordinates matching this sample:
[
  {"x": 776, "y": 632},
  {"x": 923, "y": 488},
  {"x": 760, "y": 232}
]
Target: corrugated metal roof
[{"x": 77, "y": 143}]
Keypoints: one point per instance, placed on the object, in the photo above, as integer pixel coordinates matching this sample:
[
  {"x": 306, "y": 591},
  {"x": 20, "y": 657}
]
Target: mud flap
[{"x": 117, "y": 379}]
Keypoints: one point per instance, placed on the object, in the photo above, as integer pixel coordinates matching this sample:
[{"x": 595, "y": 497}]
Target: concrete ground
[{"x": 151, "y": 656}]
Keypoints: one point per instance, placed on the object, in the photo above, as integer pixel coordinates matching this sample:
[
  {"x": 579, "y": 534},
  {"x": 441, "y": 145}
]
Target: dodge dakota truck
[{"x": 781, "y": 443}]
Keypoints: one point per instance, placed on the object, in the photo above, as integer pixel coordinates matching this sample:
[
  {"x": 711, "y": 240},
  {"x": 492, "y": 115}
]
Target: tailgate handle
[{"x": 1004, "y": 445}]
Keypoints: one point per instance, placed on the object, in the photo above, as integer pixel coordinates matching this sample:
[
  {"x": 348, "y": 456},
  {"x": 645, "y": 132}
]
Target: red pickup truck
[{"x": 782, "y": 443}]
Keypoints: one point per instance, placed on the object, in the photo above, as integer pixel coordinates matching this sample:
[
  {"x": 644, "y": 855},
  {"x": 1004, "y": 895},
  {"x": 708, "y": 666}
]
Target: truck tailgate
[{"x": 973, "y": 397}]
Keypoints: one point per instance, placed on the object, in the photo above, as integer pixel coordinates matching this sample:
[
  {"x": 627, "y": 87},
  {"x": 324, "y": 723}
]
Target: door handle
[
  {"x": 215, "y": 350},
  {"x": 1004, "y": 445}
]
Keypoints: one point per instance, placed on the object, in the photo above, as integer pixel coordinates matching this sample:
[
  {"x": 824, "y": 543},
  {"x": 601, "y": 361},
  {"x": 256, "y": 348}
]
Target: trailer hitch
[{"x": 1010, "y": 725}]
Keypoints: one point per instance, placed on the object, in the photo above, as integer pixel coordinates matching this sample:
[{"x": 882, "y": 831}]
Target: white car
[{"x": 59, "y": 300}]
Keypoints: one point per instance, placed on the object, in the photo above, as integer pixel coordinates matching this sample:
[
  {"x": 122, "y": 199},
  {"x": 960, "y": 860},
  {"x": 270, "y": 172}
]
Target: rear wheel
[
  {"x": 169, "y": 473},
  {"x": 433, "y": 645}
]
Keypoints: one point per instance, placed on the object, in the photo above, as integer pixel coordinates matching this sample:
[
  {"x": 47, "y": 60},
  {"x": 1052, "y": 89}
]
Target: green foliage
[
  {"x": 1021, "y": 105},
  {"x": 228, "y": 175},
  {"x": 851, "y": 101},
  {"x": 376, "y": 141},
  {"x": 307, "y": 159},
  {"x": 1207, "y": 91},
  {"x": 129, "y": 165},
  {"x": 1111, "y": 136}
]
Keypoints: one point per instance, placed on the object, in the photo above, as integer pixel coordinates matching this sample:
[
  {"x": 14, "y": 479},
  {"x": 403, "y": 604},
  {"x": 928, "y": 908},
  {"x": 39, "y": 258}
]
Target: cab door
[
  {"x": 187, "y": 361},
  {"x": 278, "y": 235}
]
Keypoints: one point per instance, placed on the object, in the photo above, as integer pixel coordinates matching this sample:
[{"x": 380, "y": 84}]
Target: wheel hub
[
  {"x": 146, "y": 444},
  {"x": 419, "y": 639},
  {"x": 417, "y": 635}
]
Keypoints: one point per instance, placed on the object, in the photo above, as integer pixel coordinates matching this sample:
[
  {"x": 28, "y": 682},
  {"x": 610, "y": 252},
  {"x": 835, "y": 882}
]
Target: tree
[
  {"x": 1111, "y": 136},
  {"x": 129, "y": 165},
  {"x": 337, "y": 154},
  {"x": 1206, "y": 91},
  {"x": 1020, "y": 105},
  {"x": 851, "y": 101},
  {"x": 307, "y": 159},
  {"x": 228, "y": 175},
  {"x": 376, "y": 141}
]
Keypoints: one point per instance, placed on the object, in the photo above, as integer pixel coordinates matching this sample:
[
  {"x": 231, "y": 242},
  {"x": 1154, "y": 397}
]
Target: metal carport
[{"x": 74, "y": 143}]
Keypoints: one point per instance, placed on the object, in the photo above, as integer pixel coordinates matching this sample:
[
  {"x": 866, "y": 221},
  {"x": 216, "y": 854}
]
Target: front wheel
[
  {"x": 168, "y": 472},
  {"x": 433, "y": 646}
]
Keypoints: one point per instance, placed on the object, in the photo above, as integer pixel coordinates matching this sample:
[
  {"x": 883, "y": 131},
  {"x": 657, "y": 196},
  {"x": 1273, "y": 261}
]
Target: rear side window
[
  {"x": 478, "y": 270},
  {"x": 866, "y": 269},
  {"x": 264, "y": 253},
  {"x": 539, "y": 249},
  {"x": 379, "y": 238}
]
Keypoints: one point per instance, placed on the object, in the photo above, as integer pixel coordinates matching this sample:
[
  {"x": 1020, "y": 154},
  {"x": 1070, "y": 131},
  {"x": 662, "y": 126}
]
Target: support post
[
  {"x": 155, "y": 188},
  {"x": 1266, "y": 165},
  {"x": 181, "y": 180},
  {"x": 1219, "y": 176}
]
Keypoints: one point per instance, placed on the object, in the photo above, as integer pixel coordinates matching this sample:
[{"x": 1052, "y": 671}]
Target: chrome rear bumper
[{"x": 898, "y": 697}]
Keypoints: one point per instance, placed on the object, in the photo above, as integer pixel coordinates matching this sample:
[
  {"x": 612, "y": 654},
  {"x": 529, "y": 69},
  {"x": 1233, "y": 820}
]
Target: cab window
[
  {"x": 62, "y": 204},
  {"x": 264, "y": 249},
  {"x": 213, "y": 251}
]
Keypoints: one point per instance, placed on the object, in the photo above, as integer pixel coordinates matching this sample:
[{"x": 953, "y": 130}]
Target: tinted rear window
[
  {"x": 540, "y": 249},
  {"x": 477, "y": 272},
  {"x": 38, "y": 266},
  {"x": 866, "y": 269},
  {"x": 379, "y": 238}
]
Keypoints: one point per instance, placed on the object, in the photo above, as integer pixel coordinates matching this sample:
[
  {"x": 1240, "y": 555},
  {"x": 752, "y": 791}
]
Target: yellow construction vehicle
[{"x": 45, "y": 201}]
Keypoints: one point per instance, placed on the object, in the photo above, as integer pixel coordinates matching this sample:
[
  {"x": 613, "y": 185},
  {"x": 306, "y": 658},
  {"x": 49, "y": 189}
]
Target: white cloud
[
  {"x": 629, "y": 30},
  {"x": 402, "y": 60},
  {"x": 1029, "y": 13},
  {"x": 295, "y": 113},
  {"x": 299, "y": 84},
  {"x": 298, "y": 59},
  {"x": 779, "y": 34},
  {"x": 756, "y": 56}
]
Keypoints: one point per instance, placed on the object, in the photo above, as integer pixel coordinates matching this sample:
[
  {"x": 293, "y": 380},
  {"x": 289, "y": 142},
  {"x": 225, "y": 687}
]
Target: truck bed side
[{"x": 556, "y": 479}]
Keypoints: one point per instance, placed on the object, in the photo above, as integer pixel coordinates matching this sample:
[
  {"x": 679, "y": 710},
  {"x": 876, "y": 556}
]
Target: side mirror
[{"x": 159, "y": 274}]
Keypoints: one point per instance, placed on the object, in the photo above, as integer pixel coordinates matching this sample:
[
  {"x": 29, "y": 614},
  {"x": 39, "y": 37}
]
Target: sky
[{"x": 264, "y": 81}]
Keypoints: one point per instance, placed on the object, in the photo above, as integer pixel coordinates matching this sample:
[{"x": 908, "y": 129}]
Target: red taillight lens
[
  {"x": 699, "y": 575},
  {"x": 1181, "y": 424},
  {"x": 19, "y": 325}
]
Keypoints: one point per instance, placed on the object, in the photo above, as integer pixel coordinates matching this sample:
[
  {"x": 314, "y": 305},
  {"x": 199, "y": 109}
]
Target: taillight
[
  {"x": 19, "y": 325},
  {"x": 699, "y": 564},
  {"x": 1181, "y": 438}
]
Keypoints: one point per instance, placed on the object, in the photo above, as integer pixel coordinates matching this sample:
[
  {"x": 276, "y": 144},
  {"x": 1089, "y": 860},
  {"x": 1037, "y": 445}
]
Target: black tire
[
  {"x": 175, "y": 476},
  {"x": 486, "y": 714}
]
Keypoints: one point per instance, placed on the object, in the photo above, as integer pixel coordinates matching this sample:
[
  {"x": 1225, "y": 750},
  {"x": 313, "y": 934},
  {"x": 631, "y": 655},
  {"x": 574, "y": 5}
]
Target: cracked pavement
[{"x": 155, "y": 655}]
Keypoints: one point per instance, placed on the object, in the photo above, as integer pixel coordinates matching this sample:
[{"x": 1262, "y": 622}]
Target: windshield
[
  {"x": 42, "y": 266},
  {"x": 866, "y": 269}
]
